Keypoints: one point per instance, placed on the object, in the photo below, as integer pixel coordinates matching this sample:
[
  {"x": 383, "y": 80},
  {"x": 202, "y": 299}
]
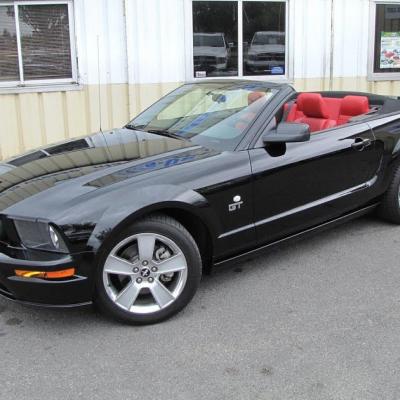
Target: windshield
[
  {"x": 263, "y": 38},
  {"x": 213, "y": 114},
  {"x": 211, "y": 40}
]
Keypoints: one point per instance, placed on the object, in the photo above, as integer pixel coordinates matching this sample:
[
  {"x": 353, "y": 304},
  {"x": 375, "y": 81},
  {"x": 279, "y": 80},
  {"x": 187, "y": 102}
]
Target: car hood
[
  {"x": 210, "y": 51},
  {"x": 39, "y": 181},
  {"x": 266, "y": 48}
]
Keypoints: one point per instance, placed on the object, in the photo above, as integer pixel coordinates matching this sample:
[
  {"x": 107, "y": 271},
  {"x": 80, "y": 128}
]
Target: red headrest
[
  {"x": 354, "y": 105},
  {"x": 313, "y": 105},
  {"x": 299, "y": 102},
  {"x": 254, "y": 96}
]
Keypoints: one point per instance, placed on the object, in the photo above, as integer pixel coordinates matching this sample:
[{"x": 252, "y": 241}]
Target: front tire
[
  {"x": 148, "y": 272},
  {"x": 389, "y": 208}
]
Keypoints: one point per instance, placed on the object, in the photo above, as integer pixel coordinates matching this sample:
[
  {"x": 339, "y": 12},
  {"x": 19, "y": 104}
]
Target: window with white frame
[
  {"x": 36, "y": 43},
  {"x": 239, "y": 38},
  {"x": 384, "y": 60}
]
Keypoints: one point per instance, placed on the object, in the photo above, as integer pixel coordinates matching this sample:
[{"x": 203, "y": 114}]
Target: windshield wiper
[
  {"x": 135, "y": 127},
  {"x": 162, "y": 132},
  {"x": 165, "y": 133}
]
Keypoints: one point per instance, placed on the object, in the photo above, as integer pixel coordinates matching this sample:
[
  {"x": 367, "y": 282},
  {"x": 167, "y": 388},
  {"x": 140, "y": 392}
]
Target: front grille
[
  {"x": 8, "y": 233},
  {"x": 205, "y": 60},
  {"x": 3, "y": 235},
  {"x": 271, "y": 57}
]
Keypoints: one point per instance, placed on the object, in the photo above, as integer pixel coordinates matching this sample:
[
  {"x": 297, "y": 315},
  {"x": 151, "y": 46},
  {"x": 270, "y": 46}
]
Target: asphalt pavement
[{"x": 315, "y": 319}]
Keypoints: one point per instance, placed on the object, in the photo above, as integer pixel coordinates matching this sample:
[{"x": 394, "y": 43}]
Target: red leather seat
[
  {"x": 294, "y": 112},
  {"x": 333, "y": 104},
  {"x": 352, "y": 106},
  {"x": 340, "y": 110},
  {"x": 252, "y": 98},
  {"x": 316, "y": 112}
]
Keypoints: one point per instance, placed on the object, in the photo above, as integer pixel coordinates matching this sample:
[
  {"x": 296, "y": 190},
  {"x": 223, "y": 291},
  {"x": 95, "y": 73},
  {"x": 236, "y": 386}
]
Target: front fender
[{"x": 151, "y": 199}]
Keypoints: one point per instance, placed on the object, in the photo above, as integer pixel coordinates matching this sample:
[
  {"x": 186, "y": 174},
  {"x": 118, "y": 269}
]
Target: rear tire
[
  {"x": 148, "y": 272},
  {"x": 389, "y": 208}
]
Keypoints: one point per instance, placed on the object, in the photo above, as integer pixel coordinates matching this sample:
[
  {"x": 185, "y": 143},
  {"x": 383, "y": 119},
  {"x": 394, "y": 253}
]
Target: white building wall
[
  {"x": 131, "y": 52},
  {"x": 311, "y": 38},
  {"x": 156, "y": 37},
  {"x": 351, "y": 35},
  {"x": 143, "y": 41},
  {"x": 151, "y": 37},
  {"x": 101, "y": 41}
]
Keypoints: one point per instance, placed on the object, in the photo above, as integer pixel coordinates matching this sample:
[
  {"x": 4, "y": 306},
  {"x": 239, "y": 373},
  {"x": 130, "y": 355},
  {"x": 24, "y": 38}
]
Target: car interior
[
  {"x": 326, "y": 110},
  {"x": 322, "y": 113}
]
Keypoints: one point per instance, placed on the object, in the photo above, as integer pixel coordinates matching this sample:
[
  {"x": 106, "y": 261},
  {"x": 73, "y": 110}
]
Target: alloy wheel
[{"x": 145, "y": 273}]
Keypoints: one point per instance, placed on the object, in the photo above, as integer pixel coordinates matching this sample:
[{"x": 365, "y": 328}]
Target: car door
[{"x": 313, "y": 181}]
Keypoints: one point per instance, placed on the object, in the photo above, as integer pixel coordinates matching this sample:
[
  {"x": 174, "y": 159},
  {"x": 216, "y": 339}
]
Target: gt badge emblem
[{"x": 237, "y": 203}]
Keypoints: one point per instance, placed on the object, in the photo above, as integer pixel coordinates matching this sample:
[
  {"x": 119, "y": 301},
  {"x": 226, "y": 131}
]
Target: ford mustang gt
[{"x": 211, "y": 173}]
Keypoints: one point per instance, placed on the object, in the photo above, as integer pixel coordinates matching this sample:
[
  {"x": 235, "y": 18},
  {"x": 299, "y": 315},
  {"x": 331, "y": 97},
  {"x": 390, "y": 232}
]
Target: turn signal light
[{"x": 64, "y": 273}]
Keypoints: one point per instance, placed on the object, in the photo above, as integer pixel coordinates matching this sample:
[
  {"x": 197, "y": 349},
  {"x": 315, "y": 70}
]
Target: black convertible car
[{"x": 212, "y": 172}]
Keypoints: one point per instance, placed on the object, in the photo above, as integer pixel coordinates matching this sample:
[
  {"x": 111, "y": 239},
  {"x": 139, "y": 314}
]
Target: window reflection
[
  {"x": 215, "y": 38},
  {"x": 45, "y": 41},
  {"x": 264, "y": 38},
  {"x": 8, "y": 45}
]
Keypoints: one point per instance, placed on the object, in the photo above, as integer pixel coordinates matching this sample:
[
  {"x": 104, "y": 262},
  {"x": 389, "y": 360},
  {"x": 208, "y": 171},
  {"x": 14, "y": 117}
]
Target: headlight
[
  {"x": 40, "y": 236},
  {"x": 55, "y": 239}
]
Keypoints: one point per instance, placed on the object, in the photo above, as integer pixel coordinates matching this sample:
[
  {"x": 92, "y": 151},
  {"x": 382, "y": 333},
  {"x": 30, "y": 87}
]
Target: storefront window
[
  {"x": 217, "y": 51},
  {"x": 387, "y": 39},
  {"x": 264, "y": 38},
  {"x": 215, "y": 38}
]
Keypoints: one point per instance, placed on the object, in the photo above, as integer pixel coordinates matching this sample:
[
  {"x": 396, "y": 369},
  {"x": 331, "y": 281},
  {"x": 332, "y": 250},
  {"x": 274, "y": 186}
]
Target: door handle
[{"x": 360, "y": 144}]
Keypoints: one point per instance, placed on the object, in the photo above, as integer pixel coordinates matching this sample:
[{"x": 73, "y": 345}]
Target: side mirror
[{"x": 288, "y": 133}]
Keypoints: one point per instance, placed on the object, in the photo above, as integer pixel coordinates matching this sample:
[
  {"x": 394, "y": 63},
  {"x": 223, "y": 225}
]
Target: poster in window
[{"x": 390, "y": 50}]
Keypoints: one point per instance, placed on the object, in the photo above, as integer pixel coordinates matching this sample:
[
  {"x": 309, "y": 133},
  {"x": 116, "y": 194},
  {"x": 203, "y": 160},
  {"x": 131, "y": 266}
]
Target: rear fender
[{"x": 387, "y": 134}]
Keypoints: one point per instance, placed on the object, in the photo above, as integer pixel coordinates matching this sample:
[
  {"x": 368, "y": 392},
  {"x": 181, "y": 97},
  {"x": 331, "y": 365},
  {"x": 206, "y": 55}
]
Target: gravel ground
[{"x": 318, "y": 319}]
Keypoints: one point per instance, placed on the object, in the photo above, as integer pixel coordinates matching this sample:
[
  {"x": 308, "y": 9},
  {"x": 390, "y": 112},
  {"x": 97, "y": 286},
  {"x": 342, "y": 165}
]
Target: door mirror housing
[{"x": 288, "y": 133}]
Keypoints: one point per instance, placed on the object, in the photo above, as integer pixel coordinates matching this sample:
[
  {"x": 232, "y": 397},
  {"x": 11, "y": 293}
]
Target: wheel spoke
[
  {"x": 128, "y": 295},
  {"x": 173, "y": 264},
  {"x": 118, "y": 266},
  {"x": 142, "y": 273},
  {"x": 146, "y": 245},
  {"x": 161, "y": 294}
]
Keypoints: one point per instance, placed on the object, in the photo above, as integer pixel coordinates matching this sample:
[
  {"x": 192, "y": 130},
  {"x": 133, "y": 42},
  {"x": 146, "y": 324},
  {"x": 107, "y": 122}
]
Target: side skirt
[{"x": 300, "y": 235}]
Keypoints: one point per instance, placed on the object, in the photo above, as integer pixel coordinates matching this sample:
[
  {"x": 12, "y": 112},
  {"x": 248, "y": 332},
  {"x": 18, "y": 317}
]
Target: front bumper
[
  {"x": 67, "y": 292},
  {"x": 264, "y": 65}
]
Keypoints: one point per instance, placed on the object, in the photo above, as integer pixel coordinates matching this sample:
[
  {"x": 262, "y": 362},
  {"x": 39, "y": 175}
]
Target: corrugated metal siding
[
  {"x": 31, "y": 120},
  {"x": 108, "y": 97},
  {"x": 311, "y": 36}
]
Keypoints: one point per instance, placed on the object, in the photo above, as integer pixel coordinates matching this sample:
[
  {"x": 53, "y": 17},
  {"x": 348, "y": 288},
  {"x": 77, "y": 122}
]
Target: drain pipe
[
  {"x": 331, "y": 66},
  {"x": 127, "y": 55}
]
